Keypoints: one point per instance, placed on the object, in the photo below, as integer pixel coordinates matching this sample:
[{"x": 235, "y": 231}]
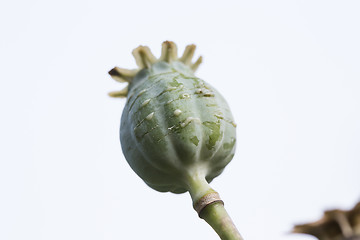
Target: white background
[{"x": 289, "y": 70}]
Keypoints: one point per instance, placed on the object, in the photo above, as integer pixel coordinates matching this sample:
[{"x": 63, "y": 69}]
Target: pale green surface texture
[{"x": 175, "y": 126}]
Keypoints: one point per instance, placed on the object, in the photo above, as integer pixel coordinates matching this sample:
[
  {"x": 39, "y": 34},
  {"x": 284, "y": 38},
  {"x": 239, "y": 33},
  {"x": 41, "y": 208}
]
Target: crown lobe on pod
[
  {"x": 168, "y": 52},
  {"x": 196, "y": 64},
  {"x": 145, "y": 59},
  {"x": 120, "y": 94},
  {"x": 122, "y": 74},
  {"x": 188, "y": 54}
]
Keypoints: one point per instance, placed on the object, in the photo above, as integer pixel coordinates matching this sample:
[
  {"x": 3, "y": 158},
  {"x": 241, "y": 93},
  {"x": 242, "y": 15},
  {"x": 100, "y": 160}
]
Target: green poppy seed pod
[
  {"x": 175, "y": 127},
  {"x": 177, "y": 132}
]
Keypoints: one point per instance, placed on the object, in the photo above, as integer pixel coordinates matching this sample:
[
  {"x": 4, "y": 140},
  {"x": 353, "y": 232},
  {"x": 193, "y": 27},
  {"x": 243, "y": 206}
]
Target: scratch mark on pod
[
  {"x": 211, "y": 105},
  {"x": 189, "y": 120},
  {"x": 147, "y": 89},
  {"x": 207, "y": 87},
  {"x": 150, "y": 116},
  {"x": 137, "y": 125},
  {"x": 198, "y": 91},
  {"x": 208, "y": 94},
  {"x": 219, "y": 116},
  {"x": 149, "y": 131},
  {"x": 130, "y": 97},
  {"x": 139, "y": 94},
  {"x": 145, "y": 102},
  {"x": 185, "y": 95},
  {"x": 177, "y": 112},
  {"x": 177, "y": 127},
  {"x": 171, "y": 130},
  {"x": 171, "y": 88}
]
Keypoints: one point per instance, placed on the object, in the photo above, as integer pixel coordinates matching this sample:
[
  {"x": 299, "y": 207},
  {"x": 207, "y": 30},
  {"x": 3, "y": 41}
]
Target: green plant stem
[
  {"x": 217, "y": 217},
  {"x": 214, "y": 213}
]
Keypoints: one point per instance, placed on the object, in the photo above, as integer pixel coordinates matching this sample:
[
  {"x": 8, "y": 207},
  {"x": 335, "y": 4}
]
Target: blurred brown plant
[{"x": 334, "y": 225}]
